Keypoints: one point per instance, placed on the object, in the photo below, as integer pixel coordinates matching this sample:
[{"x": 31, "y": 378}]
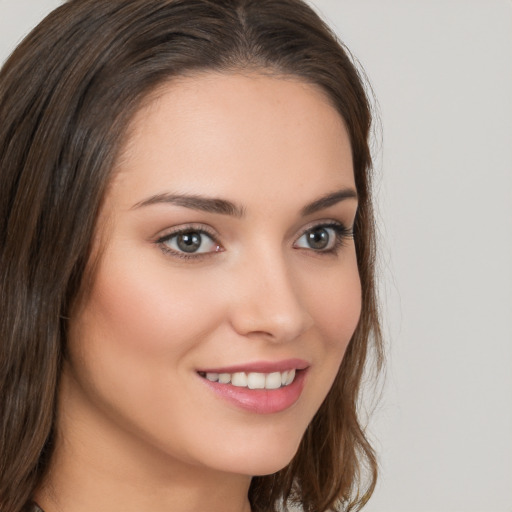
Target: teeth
[
  {"x": 239, "y": 380},
  {"x": 224, "y": 378},
  {"x": 291, "y": 376},
  {"x": 254, "y": 380},
  {"x": 273, "y": 380}
]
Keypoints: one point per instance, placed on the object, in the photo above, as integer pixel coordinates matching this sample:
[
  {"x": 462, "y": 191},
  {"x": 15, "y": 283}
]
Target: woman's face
[{"x": 227, "y": 264}]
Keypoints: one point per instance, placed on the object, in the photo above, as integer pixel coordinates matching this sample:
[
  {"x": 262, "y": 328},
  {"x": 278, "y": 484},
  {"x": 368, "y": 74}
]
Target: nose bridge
[{"x": 269, "y": 298}]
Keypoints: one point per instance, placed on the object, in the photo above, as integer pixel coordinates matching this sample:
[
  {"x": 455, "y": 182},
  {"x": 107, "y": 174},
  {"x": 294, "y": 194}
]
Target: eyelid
[
  {"x": 183, "y": 228},
  {"x": 329, "y": 223}
]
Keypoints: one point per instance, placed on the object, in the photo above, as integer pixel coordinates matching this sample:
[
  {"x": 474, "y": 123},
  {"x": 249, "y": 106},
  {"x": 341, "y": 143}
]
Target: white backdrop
[{"x": 442, "y": 73}]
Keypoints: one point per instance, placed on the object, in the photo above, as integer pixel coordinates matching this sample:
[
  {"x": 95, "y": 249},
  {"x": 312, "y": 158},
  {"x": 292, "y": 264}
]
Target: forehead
[{"x": 221, "y": 134}]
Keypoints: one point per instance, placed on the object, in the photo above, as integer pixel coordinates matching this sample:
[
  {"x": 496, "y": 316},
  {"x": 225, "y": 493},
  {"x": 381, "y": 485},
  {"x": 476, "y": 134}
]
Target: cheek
[
  {"x": 144, "y": 307},
  {"x": 336, "y": 307},
  {"x": 135, "y": 339},
  {"x": 335, "y": 304},
  {"x": 138, "y": 325}
]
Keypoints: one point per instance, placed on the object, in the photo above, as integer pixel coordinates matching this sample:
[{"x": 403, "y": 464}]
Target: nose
[{"x": 268, "y": 301}]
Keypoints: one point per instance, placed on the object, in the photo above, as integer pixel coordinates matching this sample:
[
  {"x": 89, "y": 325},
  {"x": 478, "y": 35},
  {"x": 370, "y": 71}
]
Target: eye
[
  {"x": 323, "y": 237},
  {"x": 189, "y": 242}
]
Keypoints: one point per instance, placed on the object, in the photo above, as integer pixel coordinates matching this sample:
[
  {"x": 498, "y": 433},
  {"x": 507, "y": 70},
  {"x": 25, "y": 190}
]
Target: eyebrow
[
  {"x": 329, "y": 200},
  {"x": 224, "y": 207},
  {"x": 195, "y": 202}
]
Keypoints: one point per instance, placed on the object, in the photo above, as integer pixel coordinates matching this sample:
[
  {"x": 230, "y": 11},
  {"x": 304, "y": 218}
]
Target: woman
[{"x": 187, "y": 263}]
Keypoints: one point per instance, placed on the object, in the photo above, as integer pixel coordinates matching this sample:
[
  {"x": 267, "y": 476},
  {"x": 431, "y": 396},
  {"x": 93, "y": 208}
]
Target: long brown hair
[{"x": 66, "y": 96}]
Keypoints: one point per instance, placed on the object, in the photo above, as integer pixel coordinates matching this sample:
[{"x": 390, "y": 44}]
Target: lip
[
  {"x": 261, "y": 401},
  {"x": 260, "y": 367}
]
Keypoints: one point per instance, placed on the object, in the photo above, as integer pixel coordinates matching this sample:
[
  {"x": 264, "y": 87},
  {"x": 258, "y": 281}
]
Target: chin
[{"x": 258, "y": 460}]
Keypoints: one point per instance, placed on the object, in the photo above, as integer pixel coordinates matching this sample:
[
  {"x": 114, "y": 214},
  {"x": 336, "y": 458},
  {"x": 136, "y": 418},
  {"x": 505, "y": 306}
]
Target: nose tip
[{"x": 270, "y": 305}]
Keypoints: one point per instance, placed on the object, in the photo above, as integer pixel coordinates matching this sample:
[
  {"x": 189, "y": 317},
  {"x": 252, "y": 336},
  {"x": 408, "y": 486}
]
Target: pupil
[
  {"x": 318, "y": 238},
  {"x": 189, "y": 242}
]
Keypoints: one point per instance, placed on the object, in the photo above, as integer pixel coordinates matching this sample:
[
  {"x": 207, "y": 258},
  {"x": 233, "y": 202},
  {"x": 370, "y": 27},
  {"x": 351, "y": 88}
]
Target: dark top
[{"x": 31, "y": 506}]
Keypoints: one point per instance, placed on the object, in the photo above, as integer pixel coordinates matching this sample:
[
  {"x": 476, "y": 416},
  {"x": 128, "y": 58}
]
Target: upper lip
[{"x": 260, "y": 367}]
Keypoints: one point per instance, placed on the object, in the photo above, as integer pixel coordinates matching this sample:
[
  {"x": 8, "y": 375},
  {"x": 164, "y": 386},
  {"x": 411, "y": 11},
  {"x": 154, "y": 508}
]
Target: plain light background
[{"x": 442, "y": 74}]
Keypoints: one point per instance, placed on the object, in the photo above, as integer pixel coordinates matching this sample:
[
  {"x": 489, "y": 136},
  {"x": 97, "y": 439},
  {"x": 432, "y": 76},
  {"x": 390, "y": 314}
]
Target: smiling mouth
[{"x": 253, "y": 380}]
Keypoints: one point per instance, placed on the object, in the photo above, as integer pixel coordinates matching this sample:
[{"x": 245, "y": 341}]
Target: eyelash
[{"x": 341, "y": 233}]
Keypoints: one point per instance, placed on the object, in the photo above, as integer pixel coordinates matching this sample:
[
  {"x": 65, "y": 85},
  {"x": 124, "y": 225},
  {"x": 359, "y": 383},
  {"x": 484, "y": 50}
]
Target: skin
[{"x": 138, "y": 429}]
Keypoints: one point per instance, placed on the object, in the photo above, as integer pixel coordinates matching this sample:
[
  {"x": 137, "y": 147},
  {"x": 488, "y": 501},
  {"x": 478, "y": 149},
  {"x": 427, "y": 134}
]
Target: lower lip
[{"x": 261, "y": 401}]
